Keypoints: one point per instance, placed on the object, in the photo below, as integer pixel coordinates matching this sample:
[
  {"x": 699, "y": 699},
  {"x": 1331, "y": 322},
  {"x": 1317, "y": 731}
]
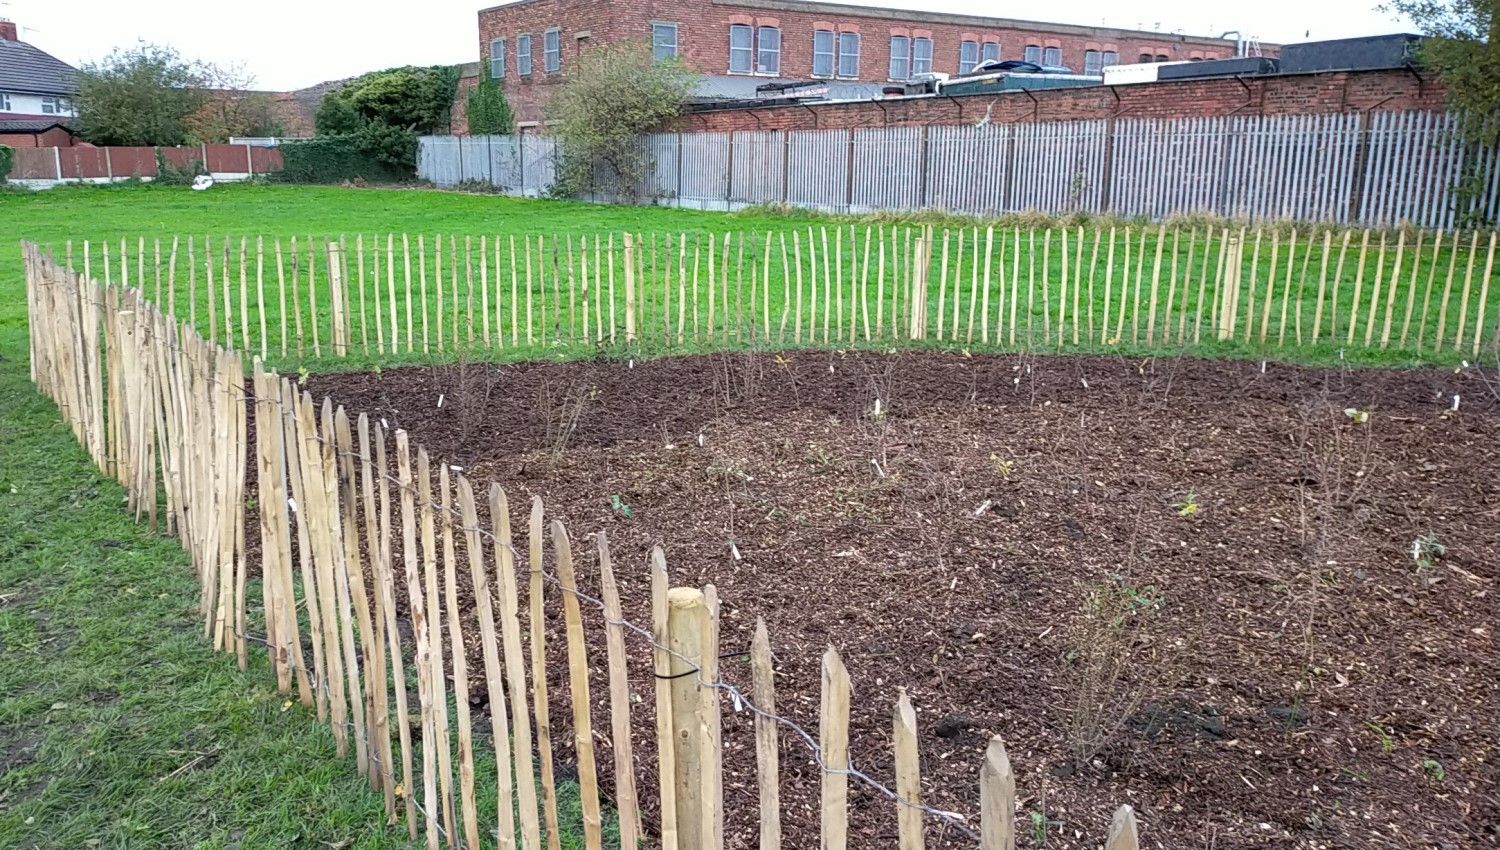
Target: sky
[{"x": 285, "y": 44}]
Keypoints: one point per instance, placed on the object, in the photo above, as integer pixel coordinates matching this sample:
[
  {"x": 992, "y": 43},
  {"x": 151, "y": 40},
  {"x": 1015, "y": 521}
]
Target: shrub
[
  {"x": 1110, "y": 665},
  {"x": 7, "y": 161},
  {"x": 334, "y": 159},
  {"x": 616, "y": 94},
  {"x": 168, "y": 174}
]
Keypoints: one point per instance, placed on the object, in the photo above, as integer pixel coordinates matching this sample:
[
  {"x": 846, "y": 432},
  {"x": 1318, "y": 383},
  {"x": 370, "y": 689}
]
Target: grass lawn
[{"x": 117, "y": 724}]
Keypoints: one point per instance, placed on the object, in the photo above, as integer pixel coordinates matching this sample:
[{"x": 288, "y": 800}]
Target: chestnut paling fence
[
  {"x": 353, "y": 533},
  {"x": 1417, "y": 295}
]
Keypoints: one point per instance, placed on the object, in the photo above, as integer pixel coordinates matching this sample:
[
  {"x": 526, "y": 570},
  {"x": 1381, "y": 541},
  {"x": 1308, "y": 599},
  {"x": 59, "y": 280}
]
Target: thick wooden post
[{"x": 687, "y": 635}]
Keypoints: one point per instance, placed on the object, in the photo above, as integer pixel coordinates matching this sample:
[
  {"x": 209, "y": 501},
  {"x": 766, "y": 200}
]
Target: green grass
[
  {"x": 105, "y": 216},
  {"x": 107, "y": 691},
  {"x": 119, "y": 727}
]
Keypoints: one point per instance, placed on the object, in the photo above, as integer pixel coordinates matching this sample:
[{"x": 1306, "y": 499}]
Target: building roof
[
  {"x": 26, "y": 69},
  {"x": 27, "y": 124},
  {"x": 711, "y": 87}
]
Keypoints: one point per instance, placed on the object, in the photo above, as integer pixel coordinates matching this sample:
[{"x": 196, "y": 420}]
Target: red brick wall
[
  {"x": 528, "y": 95},
  {"x": 1282, "y": 95},
  {"x": 458, "y": 118},
  {"x": 56, "y": 137},
  {"x": 703, "y": 36}
]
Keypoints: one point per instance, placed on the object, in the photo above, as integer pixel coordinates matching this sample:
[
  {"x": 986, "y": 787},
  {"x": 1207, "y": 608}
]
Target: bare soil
[{"x": 1290, "y": 674}]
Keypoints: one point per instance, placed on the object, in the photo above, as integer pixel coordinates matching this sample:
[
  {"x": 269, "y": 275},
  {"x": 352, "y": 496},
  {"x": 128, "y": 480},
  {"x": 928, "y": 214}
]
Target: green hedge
[{"x": 334, "y": 159}]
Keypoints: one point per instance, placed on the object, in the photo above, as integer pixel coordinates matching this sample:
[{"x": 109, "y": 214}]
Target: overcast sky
[{"x": 289, "y": 44}]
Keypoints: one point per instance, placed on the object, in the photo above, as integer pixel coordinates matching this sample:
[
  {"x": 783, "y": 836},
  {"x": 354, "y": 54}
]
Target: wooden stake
[
  {"x": 437, "y": 669},
  {"x": 833, "y": 740},
  {"x": 1484, "y": 294},
  {"x": 1375, "y": 292},
  {"x": 687, "y": 637},
  {"x": 578, "y": 668},
  {"x": 908, "y": 776},
  {"x": 767, "y": 756},
  {"x": 422, "y": 636},
  {"x": 1359, "y": 281},
  {"x": 1161, "y": 241},
  {"x": 539, "y": 674},
  {"x": 997, "y": 799},
  {"x": 1437, "y": 338},
  {"x": 515, "y": 670},
  {"x": 1390, "y": 297},
  {"x": 1109, "y": 282},
  {"x": 467, "y": 804},
  {"x": 666, "y": 724},
  {"x": 619, "y": 701},
  {"x": 1323, "y": 284},
  {"x": 1437, "y": 249},
  {"x": 1123, "y": 833}
]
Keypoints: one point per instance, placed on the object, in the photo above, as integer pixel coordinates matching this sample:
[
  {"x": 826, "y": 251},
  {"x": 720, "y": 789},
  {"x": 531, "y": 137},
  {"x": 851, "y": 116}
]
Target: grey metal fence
[{"x": 1354, "y": 168}]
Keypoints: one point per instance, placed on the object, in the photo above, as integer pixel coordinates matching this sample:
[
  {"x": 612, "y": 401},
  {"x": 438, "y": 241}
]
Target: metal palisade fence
[{"x": 1348, "y": 168}]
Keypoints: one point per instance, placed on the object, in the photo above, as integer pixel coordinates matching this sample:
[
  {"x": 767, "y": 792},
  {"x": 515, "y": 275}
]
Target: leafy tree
[
  {"x": 1463, "y": 48},
  {"x": 420, "y": 99},
  {"x": 231, "y": 108},
  {"x": 383, "y": 112},
  {"x": 142, "y": 95},
  {"x": 615, "y": 94},
  {"x": 488, "y": 110}
]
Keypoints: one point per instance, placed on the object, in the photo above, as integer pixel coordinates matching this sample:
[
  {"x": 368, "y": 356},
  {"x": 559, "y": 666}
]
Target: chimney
[{"x": 8, "y": 30}]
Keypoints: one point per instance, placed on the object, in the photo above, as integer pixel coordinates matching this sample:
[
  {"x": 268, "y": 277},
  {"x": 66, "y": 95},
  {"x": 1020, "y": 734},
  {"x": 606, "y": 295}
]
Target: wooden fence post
[
  {"x": 687, "y": 635},
  {"x": 1123, "y": 833},
  {"x": 997, "y": 799}
]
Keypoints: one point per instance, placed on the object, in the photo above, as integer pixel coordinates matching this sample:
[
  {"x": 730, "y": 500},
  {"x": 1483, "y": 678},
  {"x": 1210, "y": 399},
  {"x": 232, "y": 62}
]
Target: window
[
  {"x": 1162, "y": 57},
  {"x": 900, "y": 57},
  {"x": 497, "y": 59},
  {"x": 823, "y": 54},
  {"x": 741, "y": 54},
  {"x": 1034, "y": 54},
  {"x": 921, "y": 56},
  {"x": 663, "y": 41},
  {"x": 552, "y": 50},
  {"x": 1145, "y": 57},
  {"x": 968, "y": 56},
  {"x": 4, "y": 101},
  {"x": 1109, "y": 58},
  {"x": 1093, "y": 62},
  {"x": 768, "y": 55},
  {"x": 52, "y": 106},
  {"x": 1052, "y": 56},
  {"x": 849, "y": 55},
  {"x": 523, "y": 55},
  {"x": 991, "y": 51}
]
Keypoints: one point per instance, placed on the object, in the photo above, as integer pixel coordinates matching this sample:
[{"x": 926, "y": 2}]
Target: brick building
[
  {"x": 529, "y": 44},
  {"x": 36, "y": 93}
]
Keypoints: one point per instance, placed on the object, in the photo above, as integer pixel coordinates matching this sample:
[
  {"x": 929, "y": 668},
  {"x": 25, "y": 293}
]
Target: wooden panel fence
[
  {"x": 337, "y": 504},
  {"x": 1262, "y": 291},
  {"x": 1380, "y": 169}
]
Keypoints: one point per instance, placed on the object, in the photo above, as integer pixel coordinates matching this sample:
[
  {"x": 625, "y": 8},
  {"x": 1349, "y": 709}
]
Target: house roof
[
  {"x": 32, "y": 125},
  {"x": 26, "y": 69}
]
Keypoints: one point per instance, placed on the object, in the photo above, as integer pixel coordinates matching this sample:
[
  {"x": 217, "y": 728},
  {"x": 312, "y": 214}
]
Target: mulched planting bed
[{"x": 1290, "y": 574}]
